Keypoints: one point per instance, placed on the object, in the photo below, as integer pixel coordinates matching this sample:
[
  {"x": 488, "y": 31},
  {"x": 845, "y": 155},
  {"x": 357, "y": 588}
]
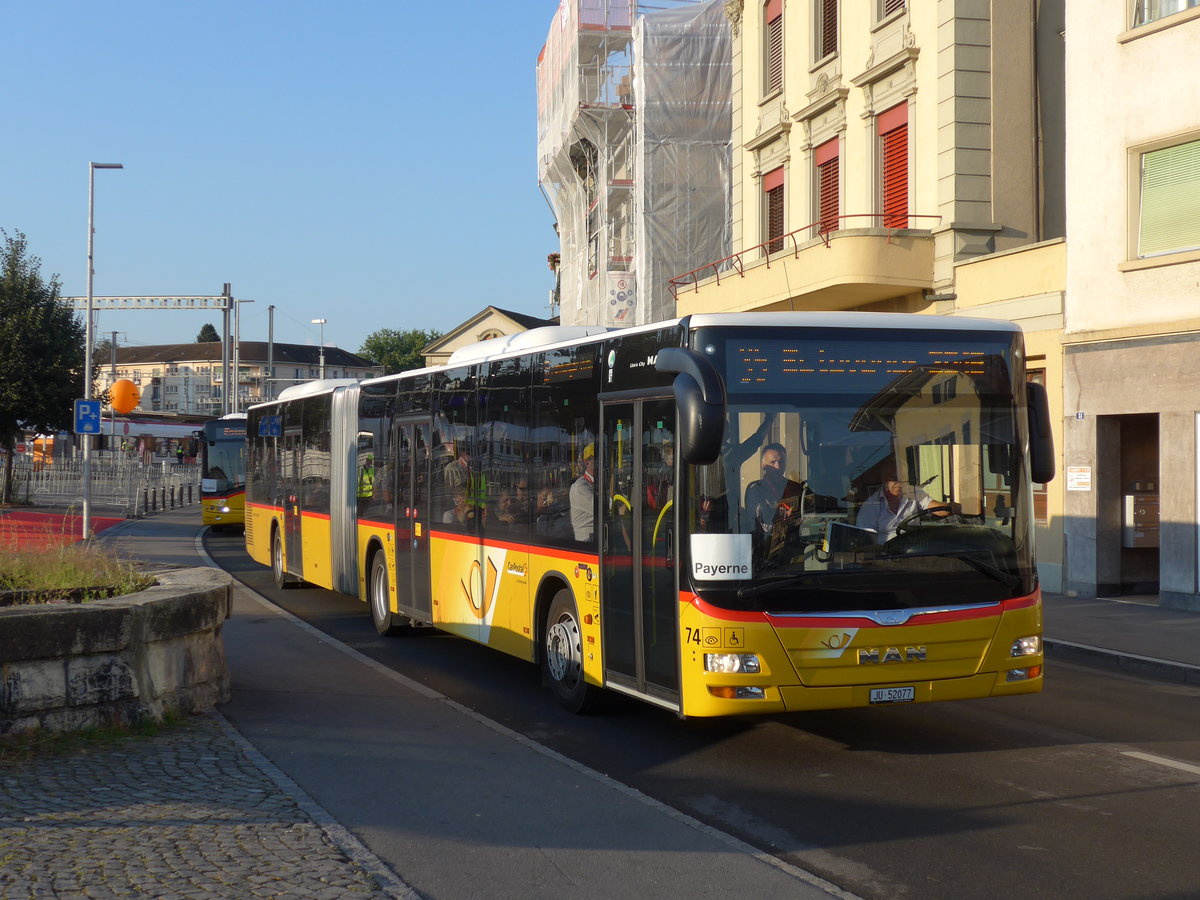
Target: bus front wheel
[
  {"x": 384, "y": 618},
  {"x": 562, "y": 654}
]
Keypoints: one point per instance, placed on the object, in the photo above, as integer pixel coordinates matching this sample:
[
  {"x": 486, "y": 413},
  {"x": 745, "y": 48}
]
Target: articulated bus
[
  {"x": 720, "y": 515},
  {"x": 223, "y": 472}
]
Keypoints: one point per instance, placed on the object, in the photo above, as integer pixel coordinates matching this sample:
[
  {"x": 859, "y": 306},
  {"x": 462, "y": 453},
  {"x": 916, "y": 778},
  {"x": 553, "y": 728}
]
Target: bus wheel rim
[
  {"x": 562, "y": 650},
  {"x": 379, "y": 592}
]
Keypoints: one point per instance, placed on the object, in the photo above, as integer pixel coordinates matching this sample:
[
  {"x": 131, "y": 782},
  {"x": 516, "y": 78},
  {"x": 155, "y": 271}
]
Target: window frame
[
  {"x": 1136, "y": 174},
  {"x": 822, "y": 10},
  {"x": 772, "y": 48},
  {"x": 1139, "y": 18},
  {"x": 886, "y": 10}
]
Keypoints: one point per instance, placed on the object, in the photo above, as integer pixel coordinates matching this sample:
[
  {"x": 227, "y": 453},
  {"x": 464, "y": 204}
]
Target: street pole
[
  {"x": 322, "y": 322},
  {"x": 87, "y": 352}
]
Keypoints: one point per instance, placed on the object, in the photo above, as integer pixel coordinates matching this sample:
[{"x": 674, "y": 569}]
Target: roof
[
  {"x": 251, "y": 352},
  {"x": 523, "y": 321}
]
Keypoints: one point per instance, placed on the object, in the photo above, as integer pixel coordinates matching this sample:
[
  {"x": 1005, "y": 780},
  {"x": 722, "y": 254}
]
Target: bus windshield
[
  {"x": 876, "y": 473},
  {"x": 223, "y": 463}
]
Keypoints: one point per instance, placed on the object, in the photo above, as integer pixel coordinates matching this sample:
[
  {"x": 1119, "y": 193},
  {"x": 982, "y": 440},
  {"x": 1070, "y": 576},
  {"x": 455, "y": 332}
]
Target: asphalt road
[{"x": 1090, "y": 789}]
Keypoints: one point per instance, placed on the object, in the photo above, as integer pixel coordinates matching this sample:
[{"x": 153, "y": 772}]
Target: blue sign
[
  {"x": 270, "y": 426},
  {"x": 87, "y": 416}
]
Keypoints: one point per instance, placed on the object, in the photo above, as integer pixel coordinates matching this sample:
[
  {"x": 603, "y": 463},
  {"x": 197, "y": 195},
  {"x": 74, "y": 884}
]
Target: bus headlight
[
  {"x": 1027, "y": 646},
  {"x": 224, "y": 509},
  {"x": 729, "y": 663}
]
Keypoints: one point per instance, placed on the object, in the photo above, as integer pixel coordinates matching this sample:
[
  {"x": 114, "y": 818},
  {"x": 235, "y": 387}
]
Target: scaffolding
[{"x": 634, "y": 151}]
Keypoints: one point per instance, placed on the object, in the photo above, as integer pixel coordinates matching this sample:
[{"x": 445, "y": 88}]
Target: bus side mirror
[
  {"x": 700, "y": 401},
  {"x": 1041, "y": 441}
]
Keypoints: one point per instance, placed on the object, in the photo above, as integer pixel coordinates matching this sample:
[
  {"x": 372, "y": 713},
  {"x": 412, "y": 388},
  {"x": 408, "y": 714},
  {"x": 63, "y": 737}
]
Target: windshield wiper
[
  {"x": 779, "y": 583},
  {"x": 1010, "y": 581}
]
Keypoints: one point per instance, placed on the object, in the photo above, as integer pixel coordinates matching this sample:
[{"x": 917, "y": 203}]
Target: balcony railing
[{"x": 798, "y": 238}]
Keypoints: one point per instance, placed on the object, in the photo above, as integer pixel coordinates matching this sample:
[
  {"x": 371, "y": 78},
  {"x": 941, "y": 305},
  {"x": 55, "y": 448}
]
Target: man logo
[{"x": 890, "y": 655}]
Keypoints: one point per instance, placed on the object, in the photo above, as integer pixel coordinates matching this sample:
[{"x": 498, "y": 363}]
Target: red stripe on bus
[
  {"x": 800, "y": 621},
  {"x": 539, "y": 549}
]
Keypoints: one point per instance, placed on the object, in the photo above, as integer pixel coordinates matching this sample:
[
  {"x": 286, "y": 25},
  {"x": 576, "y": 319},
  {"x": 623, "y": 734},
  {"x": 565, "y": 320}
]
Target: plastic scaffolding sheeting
[
  {"x": 634, "y": 154},
  {"x": 683, "y": 78}
]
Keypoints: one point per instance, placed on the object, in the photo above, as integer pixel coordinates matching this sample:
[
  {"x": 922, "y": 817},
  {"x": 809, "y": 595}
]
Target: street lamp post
[
  {"x": 87, "y": 352},
  {"x": 322, "y": 322}
]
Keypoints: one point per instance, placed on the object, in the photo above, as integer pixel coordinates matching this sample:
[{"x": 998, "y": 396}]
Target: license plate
[{"x": 892, "y": 695}]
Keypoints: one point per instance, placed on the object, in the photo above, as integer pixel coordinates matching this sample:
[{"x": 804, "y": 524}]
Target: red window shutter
[
  {"x": 773, "y": 189},
  {"x": 827, "y": 196},
  {"x": 892, "y": 126},
  {"x": 828, "y": 36},
  {"x": 773, "y": 74},
  {"x": 826, "y": 159}
]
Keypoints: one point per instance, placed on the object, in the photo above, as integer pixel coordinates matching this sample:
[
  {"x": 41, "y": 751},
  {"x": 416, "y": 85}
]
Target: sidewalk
[
  {"x": 330, "y": 775},
  {"x": 1132, "y": 635}
]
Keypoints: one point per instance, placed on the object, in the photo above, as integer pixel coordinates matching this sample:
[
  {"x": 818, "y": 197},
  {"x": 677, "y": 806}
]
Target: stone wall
[{"x": 120, "y": 661}]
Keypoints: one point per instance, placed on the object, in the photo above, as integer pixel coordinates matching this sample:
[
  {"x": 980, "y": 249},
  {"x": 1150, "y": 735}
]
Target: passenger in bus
[
  {"x": 660, "y": 483},
  {"x": 458, "y": 514},
  {"x": 891, "y": 504},
  {"x": 583, "y": 497},
  {"x": 505, "y": 510},
  {"x": 523, "y": 511},
  {"x": 774, "y": 497},
  {"x": 457, "y": 472}
]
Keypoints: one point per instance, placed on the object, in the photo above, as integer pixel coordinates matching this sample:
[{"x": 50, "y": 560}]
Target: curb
[{"x": 1165, "y": 669}]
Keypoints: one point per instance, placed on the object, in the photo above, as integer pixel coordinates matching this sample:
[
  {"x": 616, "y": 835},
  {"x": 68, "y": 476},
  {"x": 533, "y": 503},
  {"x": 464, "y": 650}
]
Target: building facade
[
  {"x": 188, "y": 379},
  {"x": 1132, "y": 329},
  {"x": 901, "y": 156}
]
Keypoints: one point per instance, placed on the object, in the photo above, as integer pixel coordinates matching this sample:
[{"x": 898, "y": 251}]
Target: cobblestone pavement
[{"x": 192, "y": 812}]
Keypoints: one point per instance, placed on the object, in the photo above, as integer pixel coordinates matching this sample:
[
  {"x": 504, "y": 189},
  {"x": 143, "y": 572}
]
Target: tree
[
  {"x": 41, "y": 351},
  {"x": 397, "y": 351},
  {"x": 208, "y": 334}
]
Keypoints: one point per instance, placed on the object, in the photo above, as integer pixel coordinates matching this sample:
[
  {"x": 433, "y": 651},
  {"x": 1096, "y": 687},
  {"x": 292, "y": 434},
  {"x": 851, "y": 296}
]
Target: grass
[
  {"x": 79, "y": 572},
  {"x": 20, "y": 748}
]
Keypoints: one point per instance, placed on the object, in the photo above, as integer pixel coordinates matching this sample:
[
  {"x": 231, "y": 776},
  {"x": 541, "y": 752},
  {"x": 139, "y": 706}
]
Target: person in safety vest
[{"x": 366, "y": 479}]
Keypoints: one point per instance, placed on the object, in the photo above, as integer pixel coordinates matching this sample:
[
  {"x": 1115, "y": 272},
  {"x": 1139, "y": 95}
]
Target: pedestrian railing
[{"x": 128, "y": 487}]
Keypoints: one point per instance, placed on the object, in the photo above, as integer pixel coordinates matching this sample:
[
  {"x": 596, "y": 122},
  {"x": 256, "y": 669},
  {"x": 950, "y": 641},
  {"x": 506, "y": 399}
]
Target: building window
[
  {"x": 825, "y": 159},
  {"x": 1169, "y": 214},
  {"x": 887, "y": 8},
  {"x": 773, "y": 223},
  {"x": 772, "y": 46},
  {"x": 1145, "y": 11},
  {"x": 892, "y": 128},
  {"x": 827, "y": 28}
]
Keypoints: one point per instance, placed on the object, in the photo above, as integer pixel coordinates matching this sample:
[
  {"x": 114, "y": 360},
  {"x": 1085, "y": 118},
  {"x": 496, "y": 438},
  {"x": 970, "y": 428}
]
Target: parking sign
[{"x": 87, "y": 416}]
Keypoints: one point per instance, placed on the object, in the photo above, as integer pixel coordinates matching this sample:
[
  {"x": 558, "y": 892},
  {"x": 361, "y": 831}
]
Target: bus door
[
  {"x": 292, "y": 478},
  {"x": 413, "y": 453},
  {"x": 638, "y": 589}
]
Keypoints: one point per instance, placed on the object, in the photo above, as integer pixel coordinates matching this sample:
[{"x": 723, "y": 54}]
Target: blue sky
[{"x": 372, "y": 162}]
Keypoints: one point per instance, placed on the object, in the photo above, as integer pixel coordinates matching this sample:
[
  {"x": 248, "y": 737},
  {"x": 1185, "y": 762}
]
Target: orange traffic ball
[{"x": 124, "y": 396}]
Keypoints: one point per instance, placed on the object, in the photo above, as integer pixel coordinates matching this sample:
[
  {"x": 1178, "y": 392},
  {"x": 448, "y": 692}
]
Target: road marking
[{"x": 1163, "y": 761}]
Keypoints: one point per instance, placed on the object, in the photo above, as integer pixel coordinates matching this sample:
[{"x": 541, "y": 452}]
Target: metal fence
[{"x": 126, "y": 487}]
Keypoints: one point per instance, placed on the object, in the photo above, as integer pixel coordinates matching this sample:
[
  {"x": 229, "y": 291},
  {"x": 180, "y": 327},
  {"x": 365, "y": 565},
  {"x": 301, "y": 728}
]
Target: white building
[{"x": 1132, "y": 335}]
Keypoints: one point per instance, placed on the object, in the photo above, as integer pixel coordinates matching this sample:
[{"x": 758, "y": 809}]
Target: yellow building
[{"x": 900, "y": 156}]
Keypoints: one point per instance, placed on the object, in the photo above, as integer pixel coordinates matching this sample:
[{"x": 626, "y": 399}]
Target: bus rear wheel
[
  {"x": 386, "y": 622},
  {"x": 283, "y": 580},
  {"x": 562, "y": 655}
]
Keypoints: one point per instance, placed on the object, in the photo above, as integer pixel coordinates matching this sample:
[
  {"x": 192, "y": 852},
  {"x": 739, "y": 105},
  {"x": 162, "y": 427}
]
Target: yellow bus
[
  {"x": 223, "y": 472},
  {"x": 720, "y": 515}
]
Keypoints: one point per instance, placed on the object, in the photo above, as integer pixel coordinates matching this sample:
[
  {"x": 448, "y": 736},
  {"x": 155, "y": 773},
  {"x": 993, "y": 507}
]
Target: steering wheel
[
  {"x": 950, "y": 514},
  {"x": 910, "y": 521}
]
